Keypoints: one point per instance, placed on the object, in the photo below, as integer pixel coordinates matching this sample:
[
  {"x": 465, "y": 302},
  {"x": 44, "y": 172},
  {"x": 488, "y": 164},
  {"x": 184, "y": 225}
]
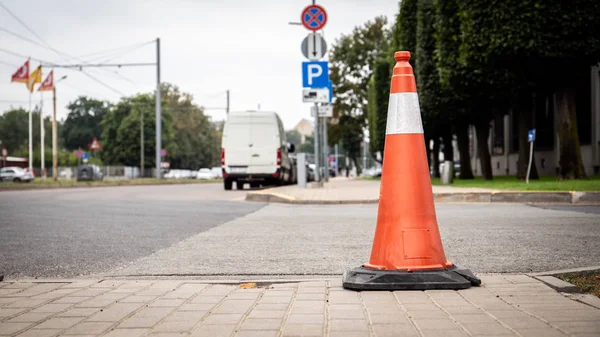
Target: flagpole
[
  {"x": 42, "y": 134},
  {"x": 54, "y": 137},
  {"x": 30, "y": 136}
]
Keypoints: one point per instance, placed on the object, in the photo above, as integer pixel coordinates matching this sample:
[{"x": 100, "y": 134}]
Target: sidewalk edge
[{"x": 495, "y": 197}]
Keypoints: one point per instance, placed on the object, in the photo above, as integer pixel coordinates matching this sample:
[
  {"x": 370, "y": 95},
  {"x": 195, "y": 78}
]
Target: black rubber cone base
[{"x": 369, "y": 279}]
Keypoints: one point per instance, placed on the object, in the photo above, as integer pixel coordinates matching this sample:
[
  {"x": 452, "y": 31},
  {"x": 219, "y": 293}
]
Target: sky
[{"x": 207, "y": 47}]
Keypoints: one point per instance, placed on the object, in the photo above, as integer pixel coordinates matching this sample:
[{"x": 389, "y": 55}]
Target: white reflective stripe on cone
[{"x": 404, "y": 114}]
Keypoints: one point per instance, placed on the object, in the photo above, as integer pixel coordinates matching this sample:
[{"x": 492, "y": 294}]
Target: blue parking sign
[
  {"x": 315, "y": 74},
  {"x": 531, "y": 136}
]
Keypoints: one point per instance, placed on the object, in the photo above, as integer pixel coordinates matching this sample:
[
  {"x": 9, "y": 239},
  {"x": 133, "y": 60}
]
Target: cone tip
[{"x": 402, "y": 56}]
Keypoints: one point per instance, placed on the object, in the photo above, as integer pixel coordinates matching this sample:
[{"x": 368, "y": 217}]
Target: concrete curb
[
  {"x": 558, "y": 284},
  {"x": 573, "y": 198},
  {"x": 564, "y": 271},
  {"x": 570, "y": 290}
]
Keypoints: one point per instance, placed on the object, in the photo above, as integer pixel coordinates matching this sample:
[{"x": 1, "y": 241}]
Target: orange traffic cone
[{"x": 407, "y": 249}]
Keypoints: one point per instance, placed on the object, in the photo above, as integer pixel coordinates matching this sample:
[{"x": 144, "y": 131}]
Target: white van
[{"x": 255, "y": 151}]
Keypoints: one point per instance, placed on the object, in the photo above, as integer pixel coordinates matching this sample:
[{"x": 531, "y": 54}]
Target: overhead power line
[
  {"x": 113, "y": 74},
  {"x": 100, "y": 65},
  {"x": 107, "y": 52},
  {"x": 29, "y": 29},
  {"x": 85, "y": 90},
  {"x": 17, "y": 101},
  {"x": 46, "y": 44},
  {"x": 103, "y": 84},
  {"x": 9, "y": 64},
  {"x": 130, "y": 50},
  {"x": 23, "y": 38},
  {"x": 25, "y": 56}
]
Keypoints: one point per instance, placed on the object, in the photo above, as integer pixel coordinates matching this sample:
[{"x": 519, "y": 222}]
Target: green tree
[
  {"x": 293, "y": 137},
  {"x": 84, "y": 122},
  {"x": 435, "y": 114},
  {"x": 121, "y": 131},
  {"x": 14, "y": 134},
  {"x": 447, "y": 33},
  {"x": 195, "y": 135},
  {"x": 481, "y": 90},
  {"x": 377, "y": 109},
  {"x": 308, "y": 146},
  {"x": 14, "y": 129},
  {"x": 405, "y": 29},
  {"x": 352, "y": 59}
]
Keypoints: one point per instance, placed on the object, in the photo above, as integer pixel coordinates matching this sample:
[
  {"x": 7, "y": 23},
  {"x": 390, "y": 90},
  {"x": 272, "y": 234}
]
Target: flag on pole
[
  {"x": 48, "y": 83},
  {"x": 22, "y": 75},
  {"x": 35, "y": 77}
]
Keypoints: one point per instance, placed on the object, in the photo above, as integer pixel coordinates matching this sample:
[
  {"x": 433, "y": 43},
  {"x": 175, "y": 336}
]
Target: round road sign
[{"x": 314, "y": 17}]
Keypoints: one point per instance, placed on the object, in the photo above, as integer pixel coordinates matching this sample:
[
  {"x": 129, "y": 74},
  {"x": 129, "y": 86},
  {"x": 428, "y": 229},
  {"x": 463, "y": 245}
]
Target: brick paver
[{"x": 505, "y": 305}]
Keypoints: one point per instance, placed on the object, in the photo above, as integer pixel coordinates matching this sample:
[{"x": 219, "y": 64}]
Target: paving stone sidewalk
[{"x": 507, "y": 305}]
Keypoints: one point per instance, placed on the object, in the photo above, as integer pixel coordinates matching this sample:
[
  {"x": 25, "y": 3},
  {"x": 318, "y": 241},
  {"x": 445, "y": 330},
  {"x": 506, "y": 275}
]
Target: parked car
[
  {"x": 205, "y": 173},
  {"x": 310, "y": 172},
  {"x": 15, "y": 174},
  {"x": 217, "y": 172},
  {"x": 372, "y": 172},
  {"x": 172, "y": 174},
  {"x": 89, "y": 173},
  {"x": 255, "y": 150}
]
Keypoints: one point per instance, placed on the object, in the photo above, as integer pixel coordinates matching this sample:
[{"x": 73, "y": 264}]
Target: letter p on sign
[
  {"x": 314, "y": 70},
  {"x": 315, "y": 74}
]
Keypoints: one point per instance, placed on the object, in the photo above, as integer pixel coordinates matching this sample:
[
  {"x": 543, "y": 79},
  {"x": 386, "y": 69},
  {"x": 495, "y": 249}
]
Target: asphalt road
[
  {"x": 202, "y": 231},
  {"x": 280, "y": 240},
  {"x": 84, "y": 231}
]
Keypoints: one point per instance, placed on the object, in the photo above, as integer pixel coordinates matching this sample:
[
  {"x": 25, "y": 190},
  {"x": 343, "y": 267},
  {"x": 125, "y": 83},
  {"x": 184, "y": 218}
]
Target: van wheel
[
  {"x": 17, "y": 180},
  {"x": 254, "y": 185},
  {"x": 239, "y": 185},
  {"x": 227, "y": 183}
]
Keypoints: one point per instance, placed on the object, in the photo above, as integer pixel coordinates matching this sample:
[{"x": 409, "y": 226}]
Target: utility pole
[
  {"x": 158, "y": 112},
  {"x": 227, "y": 109},
  {"x": 141, "y": 143}
]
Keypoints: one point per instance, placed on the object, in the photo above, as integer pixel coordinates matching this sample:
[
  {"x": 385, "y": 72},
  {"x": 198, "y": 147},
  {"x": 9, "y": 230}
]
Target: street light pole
[
  {"x": 55, "y": 133},
  {"x": 158, "y": 112},
  {"x": 227, "y": 110},
  {"x": 141, "y": 143}
]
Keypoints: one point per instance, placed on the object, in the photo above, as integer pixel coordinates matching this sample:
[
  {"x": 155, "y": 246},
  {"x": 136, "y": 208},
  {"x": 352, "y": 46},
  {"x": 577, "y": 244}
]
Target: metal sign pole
[
  {"x": 530, "y": 158},
  {"x": 317, "y": 175},
  {"x": 325, "y": 150},
  {"x": 531, "y": 140}
]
